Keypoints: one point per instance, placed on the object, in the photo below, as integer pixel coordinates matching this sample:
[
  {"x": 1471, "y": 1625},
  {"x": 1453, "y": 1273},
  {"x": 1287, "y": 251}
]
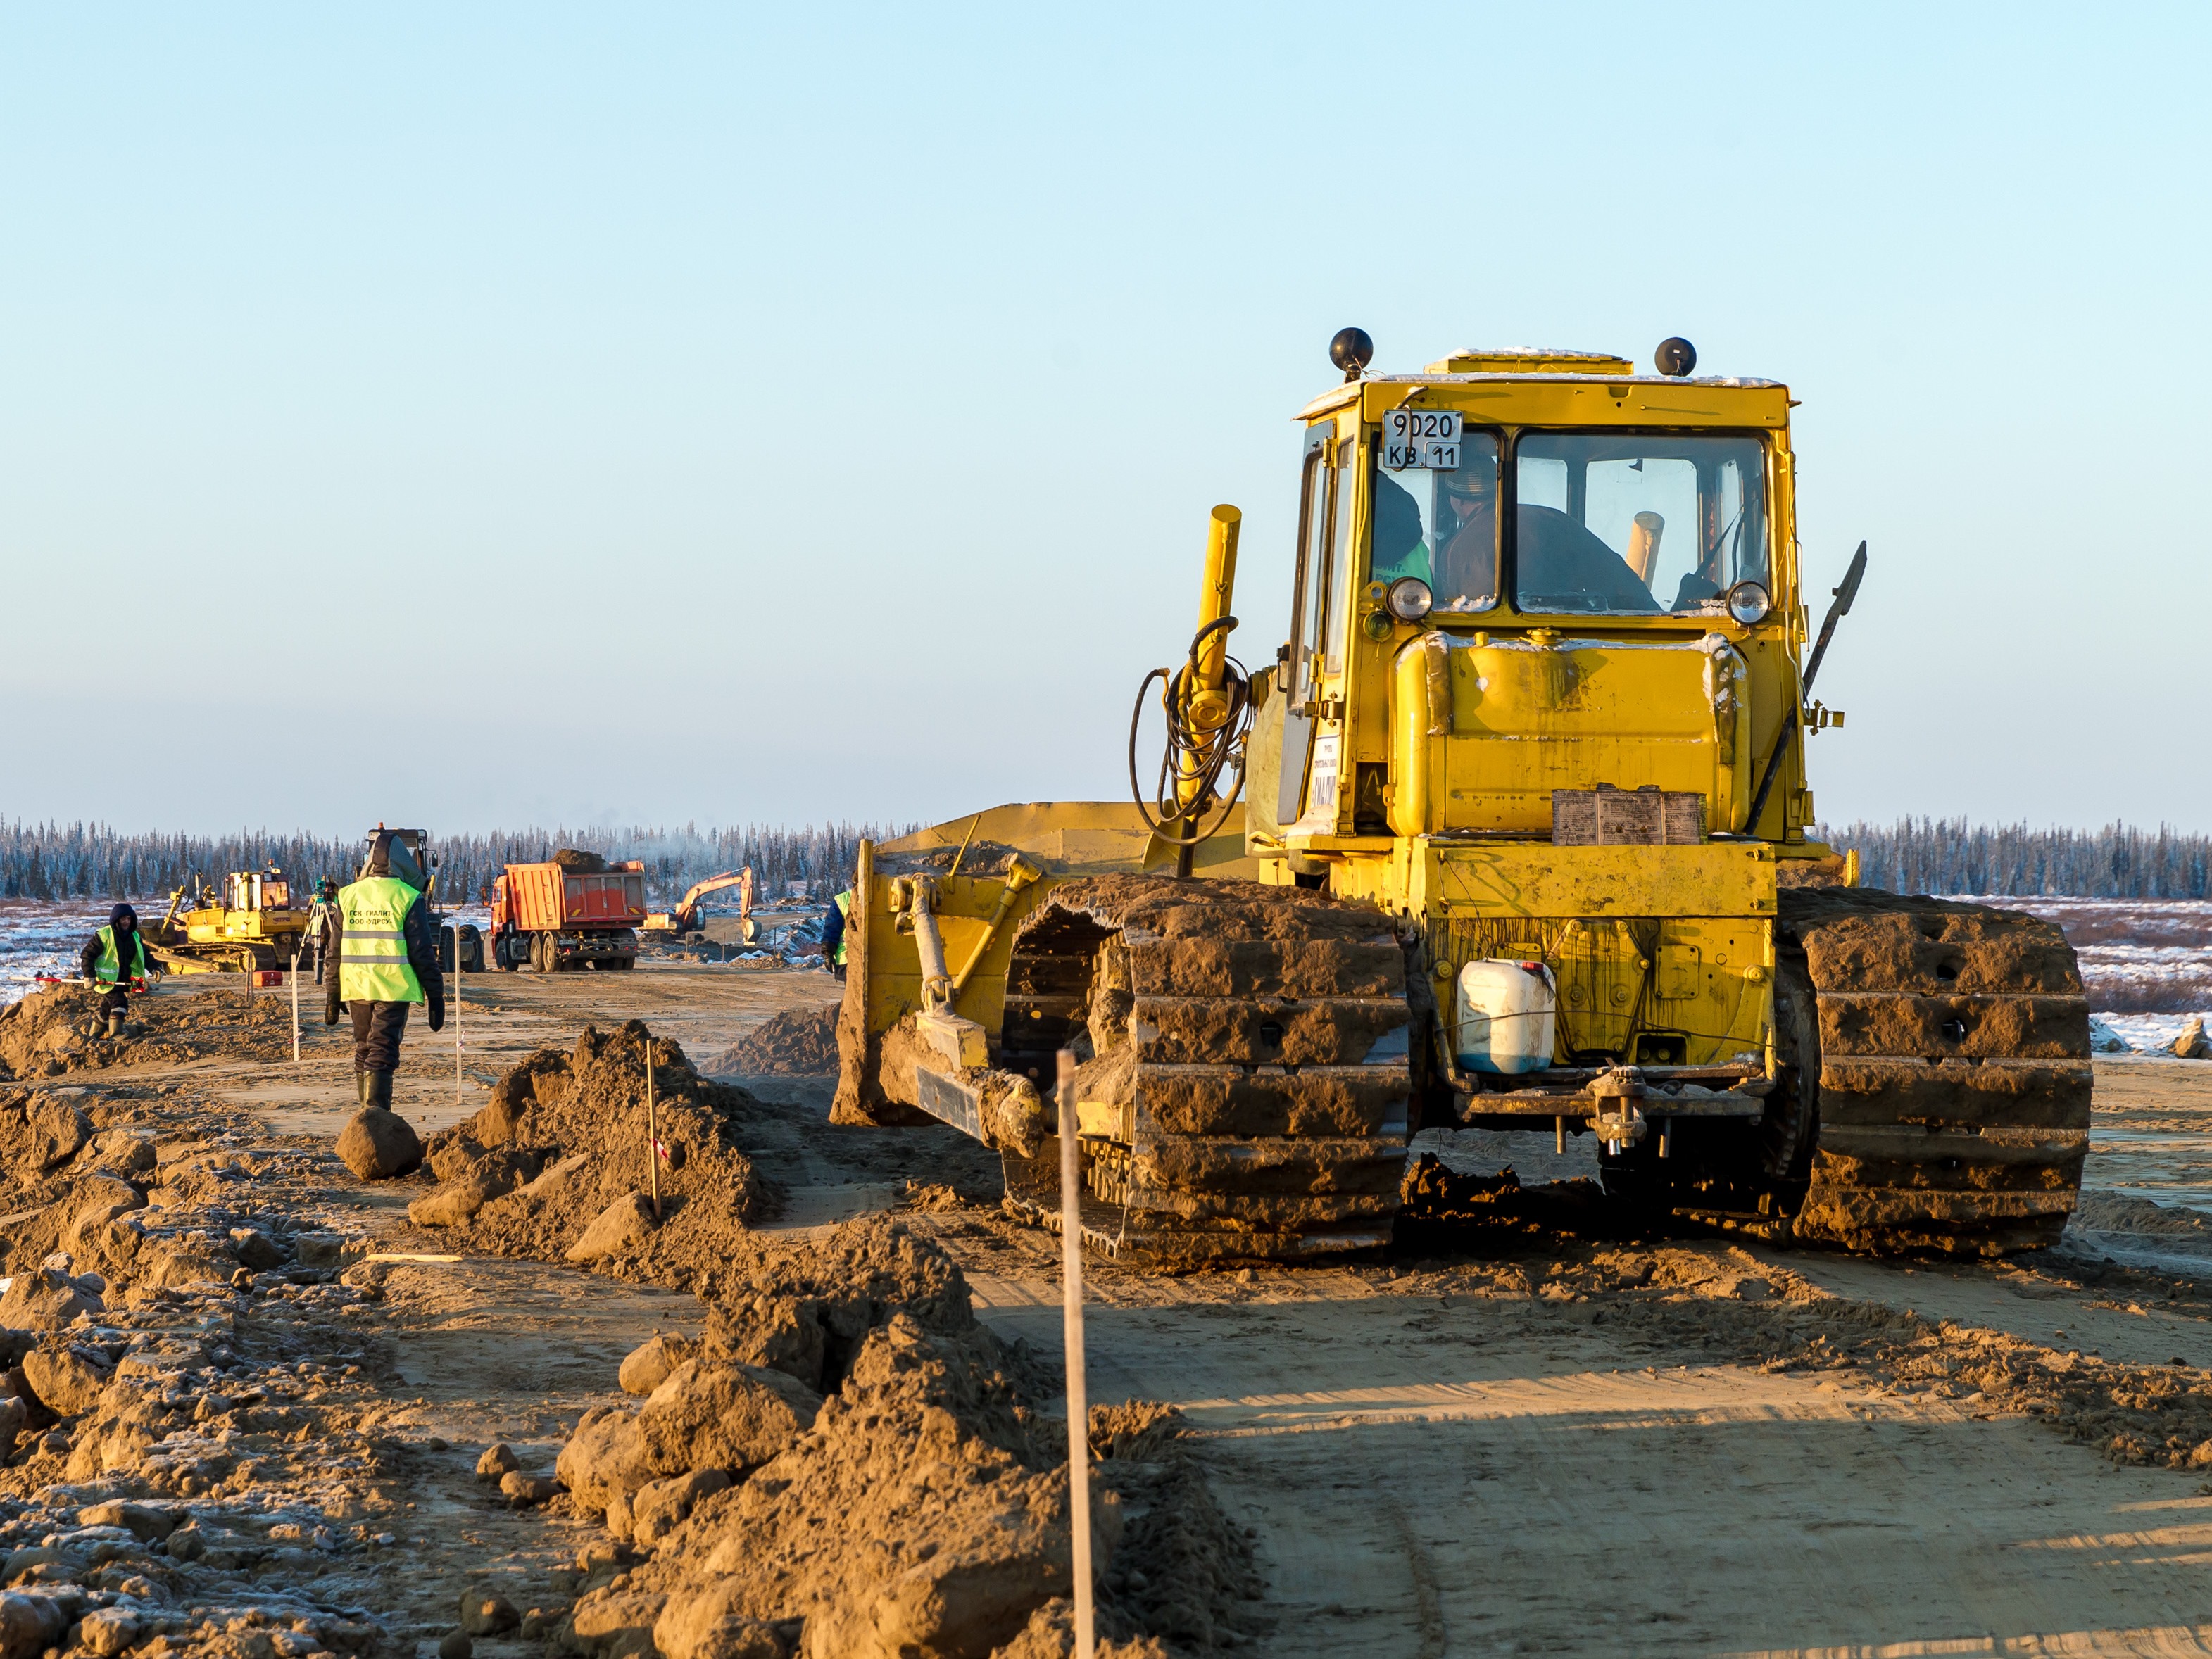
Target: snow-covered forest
[
  {"x": 1914, "y": 855},
  {"x": 1950, "y": 855},
  {"x": 77, "y": 860}
]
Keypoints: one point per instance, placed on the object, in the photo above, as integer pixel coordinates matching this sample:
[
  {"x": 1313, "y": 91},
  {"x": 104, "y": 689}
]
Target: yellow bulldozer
[
  {"x": 1511, "y": 834},
  {"x": 247, "y": 925}
]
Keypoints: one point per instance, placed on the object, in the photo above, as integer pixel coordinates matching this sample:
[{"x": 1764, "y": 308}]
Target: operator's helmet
[{"x": 1477, "y": 476}]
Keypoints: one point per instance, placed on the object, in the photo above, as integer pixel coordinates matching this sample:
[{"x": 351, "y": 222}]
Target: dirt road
[{"x": 1540, "y": 1441}]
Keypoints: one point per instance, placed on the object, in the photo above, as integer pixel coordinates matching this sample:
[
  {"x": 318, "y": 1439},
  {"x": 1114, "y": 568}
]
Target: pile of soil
[
  {"x": 2116, "y": 1212},
  {"x": 100, "y": 1208},
  {"x": 1441, "y": 1208},
  {"x": 40, "y": 1035},
  {"x": 562, "y": 1149},
  {"x": 846, "y": 1392},
  {"x": 186, "y": 1470},
  {"x": 798, "y": 1042}
]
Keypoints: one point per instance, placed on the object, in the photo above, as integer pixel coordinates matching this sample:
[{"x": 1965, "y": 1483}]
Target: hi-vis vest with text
[
  {"x": 844, "y": 909},
  {"x": 105, "y": 970},
  {"x": 372, "y": 959}
]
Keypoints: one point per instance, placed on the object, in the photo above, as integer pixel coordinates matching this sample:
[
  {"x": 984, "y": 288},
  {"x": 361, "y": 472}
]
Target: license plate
[{"x": 1421, "y": 438}]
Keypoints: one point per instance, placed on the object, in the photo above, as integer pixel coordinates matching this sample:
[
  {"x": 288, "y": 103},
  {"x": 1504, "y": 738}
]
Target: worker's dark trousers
[
  {"x": 377, "y": 1029},
  {"x": 115, "y": 1002}
]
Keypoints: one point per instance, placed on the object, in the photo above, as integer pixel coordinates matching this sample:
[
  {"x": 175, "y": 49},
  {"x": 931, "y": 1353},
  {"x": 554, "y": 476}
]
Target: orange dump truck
[{"x": 575, "y": 911}]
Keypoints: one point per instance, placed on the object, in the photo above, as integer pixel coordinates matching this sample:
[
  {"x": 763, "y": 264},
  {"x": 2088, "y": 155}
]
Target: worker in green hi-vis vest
[
  {"x": 833, "y": 932},
  {"x": 378, "y": 933},
  {"x": 115, "y": 956}
]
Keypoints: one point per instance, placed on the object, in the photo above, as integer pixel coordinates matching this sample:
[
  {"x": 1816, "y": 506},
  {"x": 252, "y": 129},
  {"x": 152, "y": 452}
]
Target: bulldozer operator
[
  {"x": 378, "y": 933},
  {"x": 116, "y": 956},
  {"x": 1560, "y": 564}
]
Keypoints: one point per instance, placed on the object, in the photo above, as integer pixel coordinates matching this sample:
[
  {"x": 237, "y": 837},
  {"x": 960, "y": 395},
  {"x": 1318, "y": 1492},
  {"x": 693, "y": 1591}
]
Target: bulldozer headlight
[
  {"x": 1409, "y": 599},
  {"x": 1748, "y": 603}
]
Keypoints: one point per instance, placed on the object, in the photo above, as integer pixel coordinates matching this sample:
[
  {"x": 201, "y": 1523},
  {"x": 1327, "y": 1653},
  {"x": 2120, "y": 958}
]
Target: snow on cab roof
[{"x": 1337, "y": 396}]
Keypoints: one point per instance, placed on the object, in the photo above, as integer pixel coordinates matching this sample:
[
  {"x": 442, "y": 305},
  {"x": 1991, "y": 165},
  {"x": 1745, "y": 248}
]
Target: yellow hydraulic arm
[{"x": 1207, "y": 704}]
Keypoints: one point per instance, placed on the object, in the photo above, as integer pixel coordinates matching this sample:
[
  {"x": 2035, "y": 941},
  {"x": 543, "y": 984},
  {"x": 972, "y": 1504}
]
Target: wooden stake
[
  {"x": 652, "y": 1133},
  {"x": 1078, "y": 1408},
  {"x": 295, "y": 1007},
  {"x": 456, "y": 1010}
]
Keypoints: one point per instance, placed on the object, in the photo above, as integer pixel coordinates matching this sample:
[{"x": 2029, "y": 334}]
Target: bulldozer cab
[
  {"x": 1523, "y": 574},
  {"x": 251, "y": 890}
]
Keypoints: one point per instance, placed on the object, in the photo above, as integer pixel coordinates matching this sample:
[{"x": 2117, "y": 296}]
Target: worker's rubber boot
[
  {"x": 115, "y": 1025},
  {"x": 362, "y": 1083},
  {"x": 379, "y": 1090}
]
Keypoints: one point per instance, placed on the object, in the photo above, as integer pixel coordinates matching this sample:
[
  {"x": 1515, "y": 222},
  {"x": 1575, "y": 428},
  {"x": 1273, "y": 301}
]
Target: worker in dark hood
[
  {"x": 379, "y": 934},
  {"x": 116, "y": 956}
]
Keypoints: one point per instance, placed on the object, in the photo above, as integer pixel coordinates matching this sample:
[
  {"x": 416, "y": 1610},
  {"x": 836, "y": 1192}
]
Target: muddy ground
[{"x": 1527, "y": 1431}]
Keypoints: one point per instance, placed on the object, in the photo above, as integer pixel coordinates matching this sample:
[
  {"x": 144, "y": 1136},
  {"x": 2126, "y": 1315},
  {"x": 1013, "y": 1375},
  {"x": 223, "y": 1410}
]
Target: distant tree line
[
  {"x": 91, "y": 860},
  {"x": 1950, "y": 855},
  {"x": 1913, "y": 855}
]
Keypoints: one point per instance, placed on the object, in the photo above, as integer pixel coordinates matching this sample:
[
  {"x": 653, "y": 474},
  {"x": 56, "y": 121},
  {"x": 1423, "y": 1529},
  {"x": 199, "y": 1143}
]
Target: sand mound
[
  {"x": 918, "y": 1454},
  {"x": 562, "y": 1142},
  {"x": 798, "y": 1042},
  {"x": 807, "y": 1312},
  {"x": 40, "y": 1035},
  {"x": 2114, "y": 1212}
]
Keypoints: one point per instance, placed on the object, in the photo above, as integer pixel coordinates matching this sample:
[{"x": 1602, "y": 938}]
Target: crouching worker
[
  {"x": 379, "y": 934},
  {"x": 116, "y": 956}
]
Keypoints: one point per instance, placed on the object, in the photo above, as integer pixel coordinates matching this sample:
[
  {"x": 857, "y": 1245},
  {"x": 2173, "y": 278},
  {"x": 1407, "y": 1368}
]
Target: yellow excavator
[
  {"x": 686, "y": 918},
  {"x": 1512, "y": 833}
]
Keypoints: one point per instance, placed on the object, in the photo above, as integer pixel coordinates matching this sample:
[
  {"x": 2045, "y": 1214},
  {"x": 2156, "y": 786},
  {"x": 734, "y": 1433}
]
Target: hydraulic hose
[{"x": 1188, "y": 788}]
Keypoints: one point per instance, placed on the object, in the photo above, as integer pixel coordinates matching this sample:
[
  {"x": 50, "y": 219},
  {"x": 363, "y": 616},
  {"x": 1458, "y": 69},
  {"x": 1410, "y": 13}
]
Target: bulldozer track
[
  {"x": 1943, "y": 1053},
  {"x": 1252, "y": 1041}
]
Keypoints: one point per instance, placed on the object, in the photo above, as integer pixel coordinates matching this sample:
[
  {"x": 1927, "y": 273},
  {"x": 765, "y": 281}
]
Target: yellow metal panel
[
  {"x": 1558, "y": 400},
  {"x": 1535, "y": 879},
  {"x": 1531, "y": 362},
  {"x": 1080, "y": 837},
  {"x": 1529, "y": 717},
  {"x": 1681, "y": 976}
]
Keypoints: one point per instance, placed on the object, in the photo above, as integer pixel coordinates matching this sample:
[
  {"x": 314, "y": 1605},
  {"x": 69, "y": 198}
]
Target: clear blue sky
[{"x": 475, "y": 416}]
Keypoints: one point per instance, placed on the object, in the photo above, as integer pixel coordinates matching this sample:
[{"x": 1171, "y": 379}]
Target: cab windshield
[
  {"x": 1626, "y": 523},
  {"x": 1440, "y": 523}
]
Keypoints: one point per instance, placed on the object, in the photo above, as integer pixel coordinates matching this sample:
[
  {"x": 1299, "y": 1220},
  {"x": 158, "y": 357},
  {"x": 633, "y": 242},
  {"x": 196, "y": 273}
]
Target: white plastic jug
[{"x": 1504, "y": 1015}]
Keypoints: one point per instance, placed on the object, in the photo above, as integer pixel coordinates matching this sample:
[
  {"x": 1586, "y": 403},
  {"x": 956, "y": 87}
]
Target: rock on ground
[
  {"x": 67, "y": 1383},
  {"x": 615, "y": 1231},
  {"x": 722, "y": 1417},
  {"x": 378, "y": 1144},
  {"x": 646, "y": 1369}
]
